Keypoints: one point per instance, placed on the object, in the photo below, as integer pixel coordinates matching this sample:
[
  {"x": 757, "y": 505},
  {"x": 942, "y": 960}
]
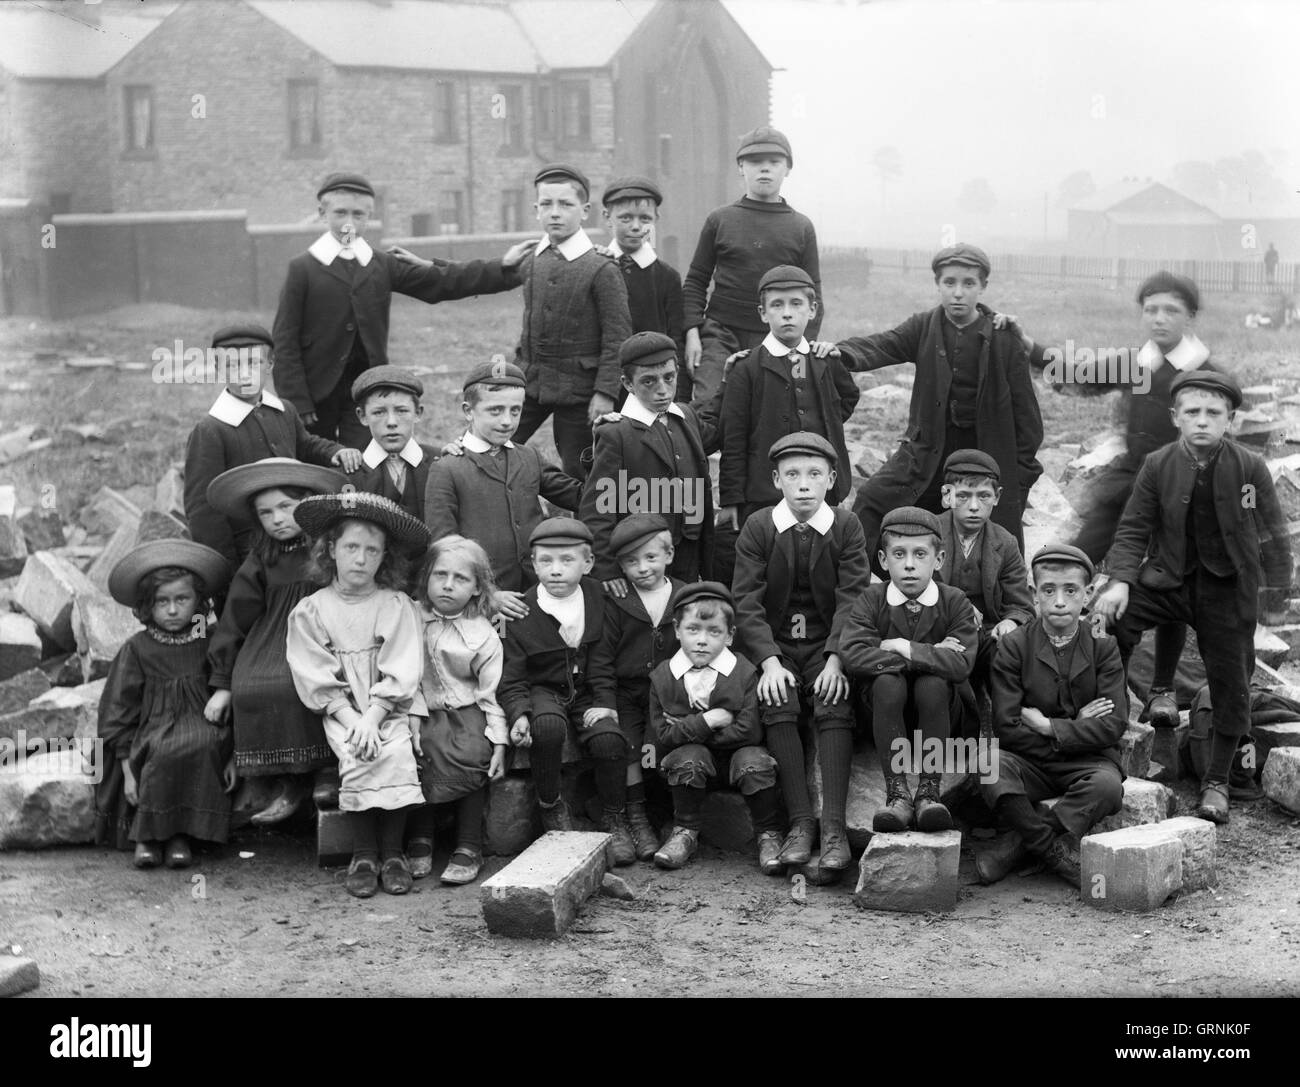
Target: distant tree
[
  {"x": 976, "y": 197},
  {"x": 1075, "y": 187},
  {"x": 889, "y": 166}
]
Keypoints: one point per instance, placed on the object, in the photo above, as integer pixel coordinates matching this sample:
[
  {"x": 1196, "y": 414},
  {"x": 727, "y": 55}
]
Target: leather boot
[
  {"x": 679, "y": 849},
  {"x": 769, "y": 852},
  {"x": 896, "y": 815},
  {"x": 555, "y": 816},
  {"x": 835, "y": 855},
  {"x": 931, "y": 815},
  {"x": 999, "y": 859},
  {"x": 644, "y": 838},
  {"x": 621, "y": 849},
  {"x": 1214, "y": 802},
  {"x": 1161, "y": 710},
  {"x": 1063, "y": 858},
  {"x": 798, "y": 845},
  {"x": 1241, "y": 779}
]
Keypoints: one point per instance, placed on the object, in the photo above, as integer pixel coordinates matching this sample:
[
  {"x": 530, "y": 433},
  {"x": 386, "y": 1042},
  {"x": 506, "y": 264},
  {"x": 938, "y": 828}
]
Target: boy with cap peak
[
  {"x": 981, "y": 558},
  {"x": 491, "y": 489},
  {"x": 637, "y": 636},
  {"x": 972, "y": 391},
  {"x": 800, "y": 566},
  {"x": 575, "y": 319},
  {"x": 738, "y": 243},
  {"x": 703, "y": 709},
  {"x": 1201, "y": 541},
  {"x": 332, "y": 321},
  {"x": 246, "y": 423},
  {"x": 653, "y": 459},
  {"x": 1059, "y": 712},
  {"x": 914, "y": 641},
  {"x": 654, "y": 289},
  {"x": 546, "y": 681}
]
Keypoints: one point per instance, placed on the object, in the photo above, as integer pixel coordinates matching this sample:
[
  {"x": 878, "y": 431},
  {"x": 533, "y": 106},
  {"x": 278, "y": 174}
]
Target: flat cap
[
  {"x": 1165, "y": 282},
  {"x": 802, "y": 443},
  {"x": 241, "y": 336},
  {"x": 496, "y": 372},
  {"x": 632, "y": 187},
  {"x": 631, "y": 532},
  {"x": 764, "y": 140},
  {"x": 387, "y": 377},
  {"x": 647, "y": 349},
  {"x": 1063, "y": 552},
  {"x": 346, "y": 181},
  {"x": 559, "y": 171},
  {"x": 701, "y": 590},
  {"x": 559, "y": 532},
  {"x": 972, "y": 462},
  {"x": 962, "y": 253},
  {"x": 1210, "y": 380},
  {"x": 910, "y": 521},
  {"x": 784, "y": 275}
]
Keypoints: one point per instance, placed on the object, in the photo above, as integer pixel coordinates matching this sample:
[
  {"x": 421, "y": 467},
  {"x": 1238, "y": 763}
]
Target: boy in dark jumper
[
  {"x": 546, "y": 681},
  {"x": 799, "y": 569},
  {"x": 575, "y": 319},
  {"x": 1201, "y": 540},
  {"x": 637, "y": 635},
  {"x": 332, "y": 321},
  {"x": 246, "y": 423},
  {"x": 704, "y": 709},
  {"x": 914, "y": 640},
  {"x": 738, "y": 243}
]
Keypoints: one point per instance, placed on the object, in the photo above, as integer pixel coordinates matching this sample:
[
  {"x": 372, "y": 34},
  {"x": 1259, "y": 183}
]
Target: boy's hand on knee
[
  {"x": 772, "y": 683},
  {"x": 497, "y": 765},
  {"x": 1098, "y": 707},
  {"x": 832, "y": 684},
  {"x": 824, "y": 349},
  {"x": 597, "y": 713},
  {"x": 521, "y": 732},
  {"x": 616, "y": 587},
  {"x": 1113, "y": 601},
  {"x": 693, "y": 349},
  {"x": 217, "y": 710},
  {"x": 718, "y": 718},
  {"x": 600, "y": 405},
  {"x": 509, "y": 603},
  {"x": 347, "y": 459}
]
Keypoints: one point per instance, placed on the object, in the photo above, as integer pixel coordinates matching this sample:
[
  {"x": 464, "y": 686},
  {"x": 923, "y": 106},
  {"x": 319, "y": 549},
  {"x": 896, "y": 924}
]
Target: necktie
[
  {"x": 397, "y": 471},
  {"x": 626, "y": 263},
  {"x": 913, "y": 607}
]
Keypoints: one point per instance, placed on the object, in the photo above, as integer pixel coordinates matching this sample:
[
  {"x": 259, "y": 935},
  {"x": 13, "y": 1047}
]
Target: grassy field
[{"x": 144, "y": 425}]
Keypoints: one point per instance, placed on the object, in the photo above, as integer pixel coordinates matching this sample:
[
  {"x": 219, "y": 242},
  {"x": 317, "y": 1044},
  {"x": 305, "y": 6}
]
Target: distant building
[{"x": 1143, "y": 219}]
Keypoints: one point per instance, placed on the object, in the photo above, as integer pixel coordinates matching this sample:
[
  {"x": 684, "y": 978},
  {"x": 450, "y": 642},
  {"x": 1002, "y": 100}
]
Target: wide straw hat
[
  {"x": 231, "y": 491},
  {"x": 124, "y": 581},
  {"x": 318, "y": 512}
]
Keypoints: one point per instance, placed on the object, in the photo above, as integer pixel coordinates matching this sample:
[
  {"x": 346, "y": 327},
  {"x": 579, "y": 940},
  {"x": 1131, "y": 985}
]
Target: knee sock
[
  {"x": 609, "y": 750},
  {"x": 1222, "y": 750},
  {"x": 787, "y": 748},
  {"x": 835, "y": 755},
  {"x": 1019, "y": 814},
  {"x": 888, "y": 698},
  {"x": 932, "y": 695},
  {"x": 764, "y": 808},
  {"x": 688, "y": 806},
  {"x": 1170, "y": 639},
  {"x": 365, "y": 832},
  {"x": 636, "y": 793},
  {"x": 392, "y": 828},
  {"x": 547, "y": 755},
  {"x": 469, "y": 820},
  {"x": 420, "y": 823}
]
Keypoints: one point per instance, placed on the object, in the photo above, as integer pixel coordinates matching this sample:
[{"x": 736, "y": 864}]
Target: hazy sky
[{"x": 1022, "y": 92}]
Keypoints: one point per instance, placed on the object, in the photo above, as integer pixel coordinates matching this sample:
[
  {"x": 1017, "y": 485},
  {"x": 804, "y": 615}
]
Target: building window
[
  {"x": 546, "y": 111},
  {"x": 138, "y": 108},
  {"x": 451, "y": 212},
  {"x": 514, "y": 211},
  {"x": 304, "y": 115},
  {"x": 444, "y": 111},
  {"x": 575, "y": 111},
  {"x": 512, "y": 118},
  {"x": 421, "y": 224}
]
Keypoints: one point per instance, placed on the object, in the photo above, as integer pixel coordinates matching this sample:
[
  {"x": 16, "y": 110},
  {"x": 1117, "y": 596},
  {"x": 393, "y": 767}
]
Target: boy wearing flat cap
[
  {"x": 704, "y": 710},
  {"x": 981, "y": 558},
  {"x": 1202, "y": 541},
  {"x": 575, "y": 319},
  {"x": 394, "y": 464},
  {"x": 914, "y": 641},
  {"x": 654, "y": 289},
  {"x": 654, "y": 459},
  {"x": 246, "y": 423},
  {"x": 972, "y": 391},
  {"x": 637, "y": 636},
  {"x": 740, "y": 242},
  {"x": 546, "y": 682},
  {"x": 332, "y": 321},
  {"x": 491, "y": 491},
  {"x": 800, "y": 566}
]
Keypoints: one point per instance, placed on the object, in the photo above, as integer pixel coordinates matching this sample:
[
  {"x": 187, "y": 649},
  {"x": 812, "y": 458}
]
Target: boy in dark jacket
[
  {"x": 394, "y": 464},
  {"x": 1059, "y": 712},
  {"x": 1201, "y": 538},
  {"x": 703, "y": 709}
]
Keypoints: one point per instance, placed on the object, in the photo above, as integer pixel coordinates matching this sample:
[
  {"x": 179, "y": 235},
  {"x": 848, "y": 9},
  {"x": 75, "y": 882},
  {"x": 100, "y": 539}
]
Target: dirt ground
[{"x": 258, "y": 918}]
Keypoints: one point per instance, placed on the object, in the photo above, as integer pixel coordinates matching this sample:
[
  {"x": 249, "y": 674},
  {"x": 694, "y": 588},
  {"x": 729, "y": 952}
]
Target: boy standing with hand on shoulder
[{"x": 394, "y": 464}]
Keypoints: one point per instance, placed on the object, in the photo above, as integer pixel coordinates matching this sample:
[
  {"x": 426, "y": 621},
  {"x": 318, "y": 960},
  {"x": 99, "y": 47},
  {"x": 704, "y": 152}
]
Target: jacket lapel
[
  {"x": 989, "y": 565},
  {"x": 654, "y": 443}
]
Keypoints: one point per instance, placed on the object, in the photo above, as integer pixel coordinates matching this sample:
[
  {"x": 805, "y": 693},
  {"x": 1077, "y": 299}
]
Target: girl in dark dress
[
  {"x": 172, "y": 769},
  {"x": 278, "y": 741}
]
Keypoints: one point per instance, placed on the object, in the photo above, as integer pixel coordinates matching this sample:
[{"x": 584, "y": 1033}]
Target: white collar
[
  {"x": 724, "y": 663},
  {"x": 229, "y": 409},
  {"x": 375, "y": 454},
  {"x": 571, "y": 248},
  {"x": 894, "y": 596},
  {"x": 575, "y": 601},
  {"x": 778, "y": 350},
  {"x": 475, "y": 444},
  {"x": 642, "y": 258},
  {"x": 327, "y": 247},
  {"x": 639, "y": 413},
  {"x": 783, "y": 517},
  {"x": 1189, "y": 354}
]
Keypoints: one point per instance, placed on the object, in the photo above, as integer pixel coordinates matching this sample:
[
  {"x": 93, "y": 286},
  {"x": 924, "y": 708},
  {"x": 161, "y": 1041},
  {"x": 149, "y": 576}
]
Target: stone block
[
  {"x": 156, "y": 525},
  {"x": 121, "y": 543},
  {"x": 47, "y": 590},
  {"x": 1135, "y": 749},
  {"x": 1269, "y": 737},
  {"x": 50, "y": 802},
  {"x": 42, "y": 529},
  {"x": 1165, "y": 747},
  {"x": 511, "y": 820},
  {"x": 107, "y": 511},
  {"x": 333, "y": 838},
  {"x": 169, "y": 495},
  {"x": 59, "y": 713},
  {"x": 539, "y": 893},
  {"x": 909, "y": 872},
  {"x": 1134, "y": 869},
  {"x": 612, "y": 886},
  {"x": 13, "y": 544},
  {"x": 18, "y": 975},
  {"x": 20, "y": 644},
  {"x": 1270, "y": 649},
  {"x": 100, "y": 626},
  {"x": 725, "y": 822},
  {"x": 17, "y": 691},
  {"x": 1144, "y": 802},
  {"x": 1281, "y": 778},
  {"x": 1289, "y": 633},
  {"x": 1200, "y": 848}
]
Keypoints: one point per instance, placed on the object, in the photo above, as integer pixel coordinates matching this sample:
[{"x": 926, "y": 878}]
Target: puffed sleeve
[
  {"x": 317, "y": 674},
  {"x": 400, "y": 662},
  {"x": 119, "y": 705},
  {"x": 488, "y": 660}
]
